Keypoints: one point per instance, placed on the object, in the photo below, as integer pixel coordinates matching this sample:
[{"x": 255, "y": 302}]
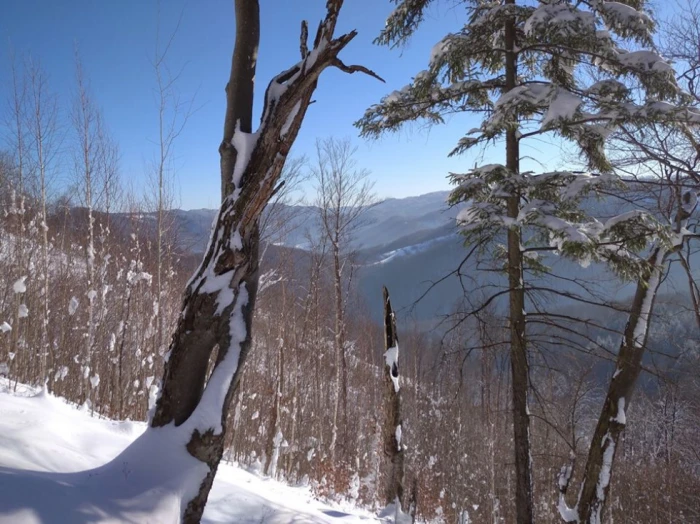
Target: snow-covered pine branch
[
  {"x": 555, "y": 41},
  {"x": 577, "y": 70},
  {"x": 551, "y": 211}
]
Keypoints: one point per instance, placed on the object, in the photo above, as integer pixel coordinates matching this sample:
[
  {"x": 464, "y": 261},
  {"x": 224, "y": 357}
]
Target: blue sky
[{"x": 117, "y": 39}]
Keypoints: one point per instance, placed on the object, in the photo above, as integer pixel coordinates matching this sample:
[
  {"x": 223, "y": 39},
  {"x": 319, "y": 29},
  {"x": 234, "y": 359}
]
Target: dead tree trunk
[
  {"x": 393, "y": 424},
  {"x": 219, "y": 300}
]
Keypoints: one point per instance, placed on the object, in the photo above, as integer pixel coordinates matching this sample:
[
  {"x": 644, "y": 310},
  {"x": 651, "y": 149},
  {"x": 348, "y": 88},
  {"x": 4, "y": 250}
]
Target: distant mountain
[
  {"x": 411, "y": 245},
  {"x": 382, "y": 224},
  {"x": 404, "y": 243}
]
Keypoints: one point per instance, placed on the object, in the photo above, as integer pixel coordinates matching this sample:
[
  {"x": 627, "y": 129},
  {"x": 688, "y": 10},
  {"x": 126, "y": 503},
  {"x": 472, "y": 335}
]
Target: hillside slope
[{"x": 48, "y": 449}]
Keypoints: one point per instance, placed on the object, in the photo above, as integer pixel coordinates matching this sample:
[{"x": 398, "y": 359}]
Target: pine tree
[{"x": 577, "y": 70}]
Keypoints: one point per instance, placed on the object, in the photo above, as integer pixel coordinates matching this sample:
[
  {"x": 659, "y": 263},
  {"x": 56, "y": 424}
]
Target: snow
[
  {"x": 207, "y": 415},
  {"x": 5, "y": 327},
  {"x": 391, "y": 357},
  {"x": 23, "y": 311},
  {"x": 394, "y": 513},
  {"x": 620, "y": 418},
  {"x": 278, "y": 442},
  {"x": 58, "y": 461},
  {"x": 398, "y": 433},
  {"x": 645, "y": 61},
  {"x": 562, "y": 16},
  {"x": 624, "y": 217},
  {"x": 620, "y": 15},
  {"x": 290, "y": 119},
  {"x": 689, "y": 201},
  {"x": 603, "y": 478},
  {"x": 439, "y": 50},
  {"x": 73, "y": 306},
  {"x": 640, "y": 330},
  {"x": 411, "y": 250},
  {"x": 244, "y": 143},
  {"x": 61, "y": 374},
  {"x": 19, "y": 286},
  {"x": 563, "y": 106},
  {"x": 567, "y": 514}
]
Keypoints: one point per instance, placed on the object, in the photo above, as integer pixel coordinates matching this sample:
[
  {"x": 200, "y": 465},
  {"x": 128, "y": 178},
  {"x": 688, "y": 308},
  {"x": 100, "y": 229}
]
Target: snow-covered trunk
[
  {"x": 612, "y": 420},
  {"x": 91, "y": 296},
  {"x": 217, "y": 312},
  {"x": 336, "y": 405},
  {"x": 289, "y": 462},
  {"x": 311, "y": 332},
  {"x": 42, "y": 124},
  {"x": 219, "y": 301},
  {"x": 393, "y": 424},
  {"x": 518, "y": 343},
  {"x": 44, "y": 348}
]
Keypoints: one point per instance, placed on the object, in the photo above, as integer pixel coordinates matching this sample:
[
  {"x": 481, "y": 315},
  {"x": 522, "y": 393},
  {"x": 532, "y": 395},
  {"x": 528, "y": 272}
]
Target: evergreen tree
[{"x": 577, "y": 70}]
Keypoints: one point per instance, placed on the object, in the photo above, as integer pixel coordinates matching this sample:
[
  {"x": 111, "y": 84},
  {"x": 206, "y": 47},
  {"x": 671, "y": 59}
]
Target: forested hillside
[{"x": 542, "y": 356}]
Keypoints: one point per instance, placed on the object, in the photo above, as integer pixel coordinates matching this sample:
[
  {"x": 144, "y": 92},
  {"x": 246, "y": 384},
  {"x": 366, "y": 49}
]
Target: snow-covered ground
[{"x": 51, "y": 454}]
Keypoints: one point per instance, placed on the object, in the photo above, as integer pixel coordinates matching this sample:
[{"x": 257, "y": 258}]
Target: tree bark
[
  {"x": 240, "y": 87},
  {"x": 393, "y": 423},
  {"x": 219, "y": 300},
  {"x": 612, "y": 420},
  {"x": 518, "y": 342}
]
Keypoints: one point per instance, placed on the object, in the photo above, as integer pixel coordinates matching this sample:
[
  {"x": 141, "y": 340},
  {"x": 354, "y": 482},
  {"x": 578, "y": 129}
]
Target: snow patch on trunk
[
  {"x": 391, "y": 357},
  {"x": 244, "y": 144},
  {"x": 19, "y": 286}
]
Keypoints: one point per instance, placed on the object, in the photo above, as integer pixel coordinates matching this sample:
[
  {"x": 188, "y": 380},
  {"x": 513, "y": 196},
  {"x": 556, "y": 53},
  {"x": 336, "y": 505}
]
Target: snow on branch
[
  {"x": 402, "y": 22},
  {"x": 551, "y": 209}
]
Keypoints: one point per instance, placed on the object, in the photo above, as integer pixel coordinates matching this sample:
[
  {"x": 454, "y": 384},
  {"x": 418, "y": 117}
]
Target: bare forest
[{"x": 542, "y": 396}]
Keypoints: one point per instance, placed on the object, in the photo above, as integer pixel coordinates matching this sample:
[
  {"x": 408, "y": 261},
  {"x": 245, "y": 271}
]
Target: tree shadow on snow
[
  {"x": 142, "y": 484},
  {"x": 55, "y": 498}
]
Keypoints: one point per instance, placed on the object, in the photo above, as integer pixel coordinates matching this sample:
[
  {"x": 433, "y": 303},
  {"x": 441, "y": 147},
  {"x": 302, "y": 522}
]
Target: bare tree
[
  {"x": 344, "y": 193},
  {"x": 173, "y": 115},
  {"x": 17, "y": 124},
  {"x": 85, "y": 119},
  {"x": 42, "y": 124}
]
